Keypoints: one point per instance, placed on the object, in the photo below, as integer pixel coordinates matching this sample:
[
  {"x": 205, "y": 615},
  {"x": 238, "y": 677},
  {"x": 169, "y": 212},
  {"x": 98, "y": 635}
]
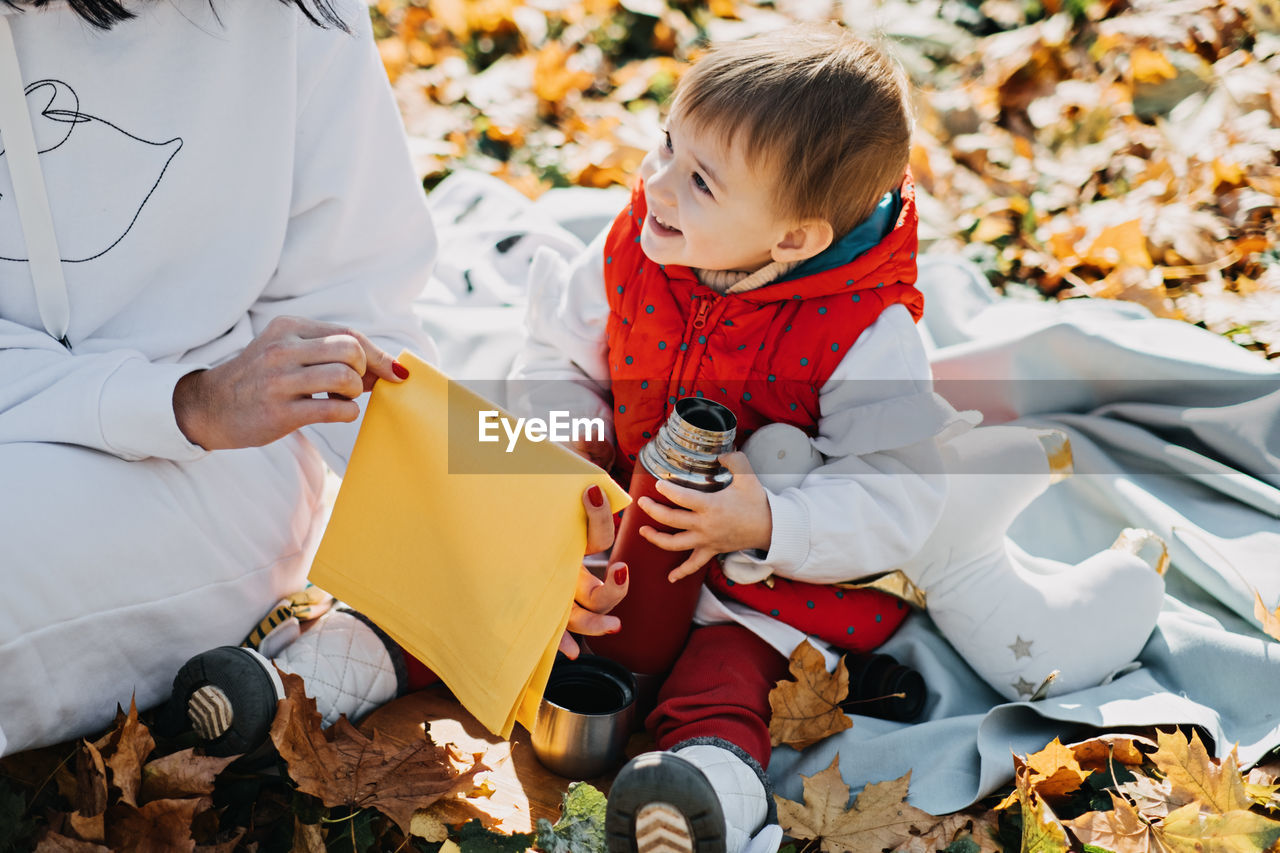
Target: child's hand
[
  {"x": 597, "y": 451},
  {"x": 711, "y": 523}
]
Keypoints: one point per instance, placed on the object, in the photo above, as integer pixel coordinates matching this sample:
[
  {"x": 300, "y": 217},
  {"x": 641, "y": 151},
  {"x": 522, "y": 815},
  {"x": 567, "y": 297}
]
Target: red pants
[{"x": 719, "y": 687}]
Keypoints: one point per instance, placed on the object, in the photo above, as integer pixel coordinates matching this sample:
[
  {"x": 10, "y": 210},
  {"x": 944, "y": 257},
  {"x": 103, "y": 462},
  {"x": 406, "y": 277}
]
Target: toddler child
[{"x": 765, "y": 262}]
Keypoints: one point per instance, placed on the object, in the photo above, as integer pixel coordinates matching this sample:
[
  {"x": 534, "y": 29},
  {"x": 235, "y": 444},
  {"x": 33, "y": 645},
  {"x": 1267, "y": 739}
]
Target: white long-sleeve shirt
[
  {"x": 864, "y": 511},
  {"x": 207, "y": 169}
]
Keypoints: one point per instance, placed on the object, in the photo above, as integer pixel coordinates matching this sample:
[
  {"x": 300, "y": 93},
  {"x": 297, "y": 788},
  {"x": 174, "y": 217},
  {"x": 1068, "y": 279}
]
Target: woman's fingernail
[
  {"x": 620, "y": 576},
  {"x": 595, "y": 496},
  {"x": 399, "y": 370},
  {"x": 614, "y": 630}
]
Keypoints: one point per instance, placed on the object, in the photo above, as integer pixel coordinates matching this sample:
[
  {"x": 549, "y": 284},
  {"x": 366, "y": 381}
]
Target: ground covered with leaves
[
  {"x": 340, "y": 789},
  {"x": 1072, "y": 148}
]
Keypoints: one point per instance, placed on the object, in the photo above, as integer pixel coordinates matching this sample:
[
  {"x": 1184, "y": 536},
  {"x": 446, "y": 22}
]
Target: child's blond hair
[{"x": 824, "y": 111}]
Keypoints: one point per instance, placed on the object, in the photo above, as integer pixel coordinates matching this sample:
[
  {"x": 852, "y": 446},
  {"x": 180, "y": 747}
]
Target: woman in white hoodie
[{"x": 180, "y": 185}]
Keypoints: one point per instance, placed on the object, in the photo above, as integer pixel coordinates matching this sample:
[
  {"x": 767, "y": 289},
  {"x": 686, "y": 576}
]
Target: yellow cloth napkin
[{"x": 465, "y": 554}]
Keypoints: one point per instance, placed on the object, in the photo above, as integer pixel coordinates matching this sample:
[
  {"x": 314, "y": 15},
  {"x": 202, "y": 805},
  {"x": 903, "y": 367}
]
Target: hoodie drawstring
[{"x": 29, "y": 192}]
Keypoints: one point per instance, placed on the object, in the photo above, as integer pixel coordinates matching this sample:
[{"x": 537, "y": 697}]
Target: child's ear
[{"x": 803, "y": 241}]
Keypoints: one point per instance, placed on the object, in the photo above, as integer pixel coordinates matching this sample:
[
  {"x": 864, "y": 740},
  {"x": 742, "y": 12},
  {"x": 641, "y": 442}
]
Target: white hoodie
[{"x": 207, "y": 169}]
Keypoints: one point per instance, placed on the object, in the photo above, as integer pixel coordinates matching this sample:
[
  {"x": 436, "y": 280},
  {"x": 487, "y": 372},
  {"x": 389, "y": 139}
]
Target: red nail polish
[
  {"x": 620, "y": 576},
  {"x": 595, "y": 496},
  {"x": 399, "y": 370}
]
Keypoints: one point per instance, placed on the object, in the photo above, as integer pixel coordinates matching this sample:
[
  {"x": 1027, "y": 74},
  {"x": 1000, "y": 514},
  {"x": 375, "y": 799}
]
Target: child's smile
[{"x": 708, "y": 208}]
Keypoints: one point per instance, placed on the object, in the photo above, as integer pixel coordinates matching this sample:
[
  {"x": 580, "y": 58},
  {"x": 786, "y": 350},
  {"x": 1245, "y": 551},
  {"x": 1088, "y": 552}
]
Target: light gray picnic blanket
[{"x": 1173, "y": 429}]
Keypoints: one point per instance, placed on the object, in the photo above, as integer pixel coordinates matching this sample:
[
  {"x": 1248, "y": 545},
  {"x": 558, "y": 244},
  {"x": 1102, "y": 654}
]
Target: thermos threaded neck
[{"x": 688, "y": 446}]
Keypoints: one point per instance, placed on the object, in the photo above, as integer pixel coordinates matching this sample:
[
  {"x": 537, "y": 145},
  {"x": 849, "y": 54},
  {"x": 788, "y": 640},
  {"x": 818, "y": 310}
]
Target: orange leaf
[
  {"x": 1120, "y": 245},
  {"x": 1122, "y": 829},
  {"x": 1055, "y": 770},
  {"x": 125, "y": 750},
  {"x": 344, "y": 768},
  {"x": 181, "y": 774},
  {"x": 808, "y": 709},
  {"x": 1195, "y": 777},
  {"x": 880, "y": 817},
  {"x": 158, "y": 825},
  {"x": 91, "y": 781},
  {"x": 1270, "y": 619}
]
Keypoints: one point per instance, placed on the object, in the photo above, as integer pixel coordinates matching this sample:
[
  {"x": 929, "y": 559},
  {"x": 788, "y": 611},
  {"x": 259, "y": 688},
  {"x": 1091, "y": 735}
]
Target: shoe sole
[
  {"x": 231, "y": 689},
  {"x": 661, "y": 803}
]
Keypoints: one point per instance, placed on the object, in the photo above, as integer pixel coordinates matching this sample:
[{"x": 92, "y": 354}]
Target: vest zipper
[{"x": 692, "y": 353}]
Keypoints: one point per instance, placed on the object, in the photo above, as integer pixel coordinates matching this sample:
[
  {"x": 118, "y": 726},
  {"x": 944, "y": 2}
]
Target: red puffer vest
[{"x": 764, "y": 353}]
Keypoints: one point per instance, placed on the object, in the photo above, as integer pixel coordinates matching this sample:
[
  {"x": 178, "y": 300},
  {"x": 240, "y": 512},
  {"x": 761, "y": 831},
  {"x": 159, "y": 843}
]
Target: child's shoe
[
  {"x": 703, "y": 796},
  {"x": 229, "y": 694}
]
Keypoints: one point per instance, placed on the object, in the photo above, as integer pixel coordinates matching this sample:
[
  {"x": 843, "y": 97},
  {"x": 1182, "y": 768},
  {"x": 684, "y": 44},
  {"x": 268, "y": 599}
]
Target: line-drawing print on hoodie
[{"x": 87, "y": 158}]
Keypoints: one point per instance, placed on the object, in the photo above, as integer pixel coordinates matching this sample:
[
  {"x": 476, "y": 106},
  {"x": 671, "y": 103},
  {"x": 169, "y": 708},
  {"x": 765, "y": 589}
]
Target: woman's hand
[
  {"x": 710, "y": 523},
  {"x": 267, "y": 391},
  {"x": 594, "y": 598}
]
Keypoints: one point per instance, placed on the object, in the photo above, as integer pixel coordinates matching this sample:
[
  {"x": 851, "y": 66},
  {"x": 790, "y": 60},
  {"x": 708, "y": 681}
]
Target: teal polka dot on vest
[
  {"x": 793, "y": 407},
  {"x": 729, "y": 582},
  {"x": 746, "y": 395},
  {"x": 900, "y": 605},
  {"x": 681, "y": 390},
  {"x": 881, "y": 284},
  {"x": 609, "y": 260},
  {"x": 856, "y": 298},
  {"x": 741, "y": 347},
  {"x": 671, "y": 401},
  {"x": 795, "y": 296},
  {"x": 630, "y": 360},
  {"x": 835, "y": 348},
  {"x": 683, "y": 347},
  {"x": 839, "y": 593},
  {"x": 787, "y": 329},
  {"x": 646, "y": 434},
  {"x": 644, "y": 385},
  {"x": 631, "y": 456},
  {"x": 637, "y": 239},
  {"x": 723, "y": 391},
  {"x": 702, "y": 339},
  {"x": 772, "y": 377},
  {"x": 622, "y": 409},
  {"x": 822, "y": 310},
  {"x": 648, "y": 309},
  {"x": 804, "y": 362},
  {"x": 849, "y": 630},
  {"x": 662, "y": 344},
  {"x": 619, "y": 288},
  {"x": 848, "y": 283},
  {"x": 879, "y": 617},
  {"x": 697, "y": 393},
  {"x": 774, "y": 613},
  {"x": 809, "y": 604}
]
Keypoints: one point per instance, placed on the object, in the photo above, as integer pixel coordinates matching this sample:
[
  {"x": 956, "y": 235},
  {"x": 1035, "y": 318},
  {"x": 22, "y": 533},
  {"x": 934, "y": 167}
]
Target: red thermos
[{"x": 657, "y": 614}]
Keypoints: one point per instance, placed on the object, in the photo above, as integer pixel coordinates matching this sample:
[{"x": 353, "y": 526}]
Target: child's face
[{"x": 707, "y": 207}]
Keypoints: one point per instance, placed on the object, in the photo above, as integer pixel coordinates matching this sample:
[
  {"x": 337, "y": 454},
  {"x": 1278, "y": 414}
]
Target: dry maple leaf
[
  {"x": 1122, "y": 829},
  {"x": 1187, "y": 830},
  {"x": 91, "y": 781},
  {"x": 52, "y": 842},
  {"x": 879, "y": 819},
  {"x": 125, "y": 752},
  {"x": 1055, "y": 770},
  {"x": 160, "y": 825},
  {"x": 344, "y": 768},
  {"x": 181, "y": 774},
  {"x": 808, "y": 709},
  {"x": 1042, "y": 832},
  {"x": 1270, "y": 620},
  {"x": 1151, "y": 797},
  {"x": 1193, "y": 776},
  {"x": 1098, "y": 753}
]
